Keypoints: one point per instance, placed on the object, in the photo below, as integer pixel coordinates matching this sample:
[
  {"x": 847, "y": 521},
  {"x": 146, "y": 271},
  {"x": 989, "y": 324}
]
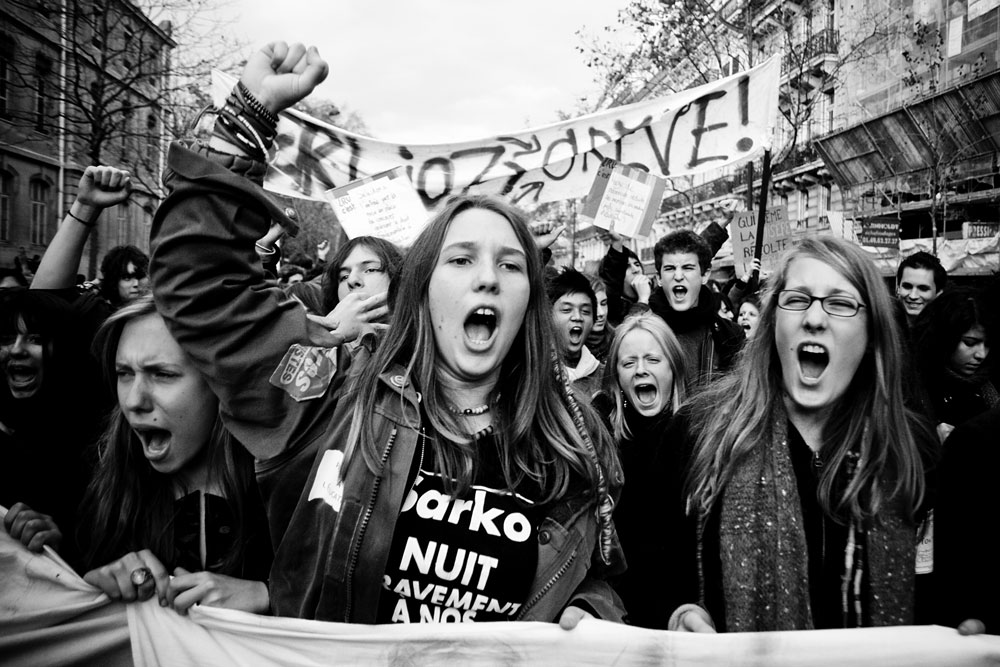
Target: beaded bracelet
[
  {"x": 255, "y": 105},
  {"x": 229, "y": 128},
  {"x": 264, "y": 127}
]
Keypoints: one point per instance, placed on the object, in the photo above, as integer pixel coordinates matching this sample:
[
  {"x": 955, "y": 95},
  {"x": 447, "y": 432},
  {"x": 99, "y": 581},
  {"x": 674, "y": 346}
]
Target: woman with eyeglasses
[{"x": 806, "y": 477}]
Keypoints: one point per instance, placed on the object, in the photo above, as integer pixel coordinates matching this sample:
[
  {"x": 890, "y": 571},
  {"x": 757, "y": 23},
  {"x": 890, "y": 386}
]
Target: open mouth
[
  {"x": 155, "y": 442},
  {"x": 575, "y": 335},
  {"x": 813, "y": 360},
  {"x": 646, "y": 394},
  {"x": 481, "y": 325},
  {"x": 19, "y": 375},
  {"x": 746, "y": 326},
  {"x": 679, "y": 292}
]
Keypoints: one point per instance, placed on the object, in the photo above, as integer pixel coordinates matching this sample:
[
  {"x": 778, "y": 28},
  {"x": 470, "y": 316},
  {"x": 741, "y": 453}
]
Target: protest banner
[
  {"x": 51, "y": 616},
  {"x": 384, "y": 205},
  {"x": 777, "y": 238},
  {"x": 711, "y": 126},
  {"x": 879, "y": 233},
  {"x": 624, "y": 200}
]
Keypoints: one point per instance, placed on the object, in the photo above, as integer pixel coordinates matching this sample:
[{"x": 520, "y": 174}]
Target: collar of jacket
[
  {"x": 681, "y": 321},
  {"x": 405, "y": 410}
]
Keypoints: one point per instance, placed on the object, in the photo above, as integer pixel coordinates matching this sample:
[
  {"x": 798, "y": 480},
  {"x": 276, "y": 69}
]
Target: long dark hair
[
  {"x": 941, "y": 325},
  {"x": 113, "y": 268},
  {"x": 69, "y": 369},
  {"x": 131, "y": 505},
  {"x": 542, "y": 433},
  {"x": 390, "y": 256}
]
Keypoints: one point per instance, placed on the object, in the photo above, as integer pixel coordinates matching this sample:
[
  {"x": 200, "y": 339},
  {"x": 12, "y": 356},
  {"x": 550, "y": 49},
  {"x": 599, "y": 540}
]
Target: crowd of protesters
[{"x": 459, "y": 433}]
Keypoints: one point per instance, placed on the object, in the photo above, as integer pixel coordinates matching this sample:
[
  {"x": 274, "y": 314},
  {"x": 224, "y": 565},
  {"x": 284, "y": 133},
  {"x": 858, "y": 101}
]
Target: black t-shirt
[{"x": 463, "y": 559}]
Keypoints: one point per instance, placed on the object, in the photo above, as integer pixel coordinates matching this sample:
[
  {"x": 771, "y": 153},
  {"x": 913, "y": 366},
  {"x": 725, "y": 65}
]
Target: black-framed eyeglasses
[{"x": 838, "y": 305}]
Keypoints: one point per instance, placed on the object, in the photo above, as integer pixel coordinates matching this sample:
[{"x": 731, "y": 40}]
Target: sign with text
[
  {"x": 777, "y": 239},
  {"x": 879, "y": 233},
  {"x": 384, "y": 205},
  {"x": 721, "y": 123},
  {"x": 980, "y": 230},
  {"x": 624, "y": 200}
]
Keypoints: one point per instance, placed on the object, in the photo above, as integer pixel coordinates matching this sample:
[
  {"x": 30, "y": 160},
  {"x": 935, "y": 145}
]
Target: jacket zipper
[
  {"x": 545, "y": 589},
  {"x": 364, "y": 526}
]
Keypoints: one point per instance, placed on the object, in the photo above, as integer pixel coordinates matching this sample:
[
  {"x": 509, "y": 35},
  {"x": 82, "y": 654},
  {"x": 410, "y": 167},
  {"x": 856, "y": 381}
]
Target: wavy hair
[
  {"x": 130, "y": 503},
  {"x": 672, "y": 352},
  {"x": 535, "y": 425},
  {"x": 387, "y": 252},
  {"x": 733, "y": 415},
  {"x": 115, "y": 264}
]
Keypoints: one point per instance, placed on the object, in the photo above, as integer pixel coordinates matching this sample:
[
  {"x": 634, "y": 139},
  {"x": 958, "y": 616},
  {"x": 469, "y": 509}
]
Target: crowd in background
[{"x": 459, "y": 431}]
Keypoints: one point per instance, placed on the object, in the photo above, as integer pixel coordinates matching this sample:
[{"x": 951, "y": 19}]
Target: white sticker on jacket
[
  {"x": 305, "y": 372},
  {"x": 328, "y": 486}
]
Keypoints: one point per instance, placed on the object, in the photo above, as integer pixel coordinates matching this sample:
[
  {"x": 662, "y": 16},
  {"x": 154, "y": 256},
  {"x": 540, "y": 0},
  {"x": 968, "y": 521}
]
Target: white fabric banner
[
  {"x": 49, "y": 616},
  {"x": 717, "y": 124}
]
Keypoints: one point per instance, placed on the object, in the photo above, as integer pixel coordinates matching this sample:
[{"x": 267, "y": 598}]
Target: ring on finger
[{"x": 141, "y": 575}]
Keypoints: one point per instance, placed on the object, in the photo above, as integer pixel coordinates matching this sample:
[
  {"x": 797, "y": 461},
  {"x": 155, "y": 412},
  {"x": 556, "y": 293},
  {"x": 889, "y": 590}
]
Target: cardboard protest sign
[
  {"x": 384, "y": 205},
  {"x": 624, "y": 200},
  {"x": 777, "y": 238},
  {"x": 718, "y": 124}
]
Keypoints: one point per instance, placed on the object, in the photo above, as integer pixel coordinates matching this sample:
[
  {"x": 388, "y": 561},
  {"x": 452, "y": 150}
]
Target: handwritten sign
[
  {"x": 624, "y": 199},
  {"x": 777, "y": 238},
  {"x": 718, "y": 124},
  {"x": 384, "y": 205},
  {"x": 879, "y": 233}
]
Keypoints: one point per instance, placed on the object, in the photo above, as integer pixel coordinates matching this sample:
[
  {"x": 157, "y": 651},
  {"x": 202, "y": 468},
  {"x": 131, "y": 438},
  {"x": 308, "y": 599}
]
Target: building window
[
  {"x": 43, "y": 69},
  {"x": 6, "y": 189},
  {"x": 126, "y": 125},
  {"x": 38, "y": 193},
  {"x": 123, "y": 224},
  {"x": 152, "y": 137},
  {"x": 804, "y": 205},
  {"x": 6, "y": 58},
  {"x": 827, "y": 197}
]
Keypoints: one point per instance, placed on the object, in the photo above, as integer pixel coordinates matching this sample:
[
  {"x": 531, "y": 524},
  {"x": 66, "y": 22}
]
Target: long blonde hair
[
  {"x": 733, "y": 414},
  {"x": 671, "y": 348}
]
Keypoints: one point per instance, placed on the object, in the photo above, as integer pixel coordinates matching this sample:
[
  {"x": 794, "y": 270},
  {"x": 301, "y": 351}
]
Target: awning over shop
[{"x": 954, "y": 134}]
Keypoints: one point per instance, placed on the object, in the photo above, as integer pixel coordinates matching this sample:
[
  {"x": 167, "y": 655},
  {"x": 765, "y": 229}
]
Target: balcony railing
[{"x": 822, "y": 43}]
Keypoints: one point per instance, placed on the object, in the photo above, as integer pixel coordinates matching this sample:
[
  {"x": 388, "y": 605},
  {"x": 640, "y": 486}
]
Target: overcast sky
[{"x": 424, "y": 71}]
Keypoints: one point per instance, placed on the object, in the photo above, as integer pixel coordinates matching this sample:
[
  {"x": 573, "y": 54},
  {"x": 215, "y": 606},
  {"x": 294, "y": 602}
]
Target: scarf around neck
[{"x": 764, "y": 556}]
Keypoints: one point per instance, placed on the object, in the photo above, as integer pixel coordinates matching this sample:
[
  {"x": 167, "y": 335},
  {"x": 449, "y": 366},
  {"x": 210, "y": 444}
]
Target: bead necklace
[{"x": 470, "y": 412}]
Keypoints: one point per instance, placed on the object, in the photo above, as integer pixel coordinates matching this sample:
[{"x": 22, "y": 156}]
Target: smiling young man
[
  {"x": 573, "y": 307},
  {"x": 919, "y": 279},
  {"x": 710, "y": 342}
]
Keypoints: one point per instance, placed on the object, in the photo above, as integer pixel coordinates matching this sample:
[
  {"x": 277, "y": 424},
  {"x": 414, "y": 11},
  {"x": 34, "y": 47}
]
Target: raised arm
[
  {"x": 100, "y": 187},
  {"x": 207, "y": 279}
]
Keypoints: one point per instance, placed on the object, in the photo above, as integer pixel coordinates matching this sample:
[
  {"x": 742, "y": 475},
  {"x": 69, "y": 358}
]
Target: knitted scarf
[{"x": 764, "y": 555}]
